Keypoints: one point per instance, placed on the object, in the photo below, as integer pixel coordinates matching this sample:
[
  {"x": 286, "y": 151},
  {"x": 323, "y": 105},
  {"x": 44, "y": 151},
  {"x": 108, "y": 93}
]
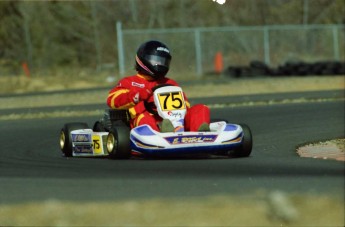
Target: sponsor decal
[
  {"x": 163, "y": 49},
  {"x": 81, "y": 138},
  {"x": 135, "y": 84},
  {"x": 191, "y": 139},
  {"x": 175, "y": 114},
  {"x": 85, "y": 149}
]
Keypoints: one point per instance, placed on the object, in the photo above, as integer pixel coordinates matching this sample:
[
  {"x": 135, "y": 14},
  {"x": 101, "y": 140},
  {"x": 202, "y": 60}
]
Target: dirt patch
[{"x": 333, "y": 149}]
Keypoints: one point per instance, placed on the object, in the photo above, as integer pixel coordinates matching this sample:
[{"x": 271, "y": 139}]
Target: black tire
[
  {"x": 118, "y": 143},
  {"x": 66, "y": 138},
  {"x": 98, "y": 127},
  {"x": 246, "y": 147}
]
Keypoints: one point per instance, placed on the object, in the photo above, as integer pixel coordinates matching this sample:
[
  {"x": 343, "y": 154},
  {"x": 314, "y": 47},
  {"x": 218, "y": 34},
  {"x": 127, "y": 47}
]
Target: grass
[
  {"x": 259, "y": 209},
  {"x": 208, "y": 87}
]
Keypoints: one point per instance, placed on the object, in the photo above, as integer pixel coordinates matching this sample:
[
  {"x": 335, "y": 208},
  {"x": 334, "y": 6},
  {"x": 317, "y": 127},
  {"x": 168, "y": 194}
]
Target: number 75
[{"x": 171, "y": 101}]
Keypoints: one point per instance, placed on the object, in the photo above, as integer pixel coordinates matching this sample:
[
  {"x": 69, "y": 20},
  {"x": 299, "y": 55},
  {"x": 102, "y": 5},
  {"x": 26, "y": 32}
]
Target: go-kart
[{"x": 111, "y": 135}]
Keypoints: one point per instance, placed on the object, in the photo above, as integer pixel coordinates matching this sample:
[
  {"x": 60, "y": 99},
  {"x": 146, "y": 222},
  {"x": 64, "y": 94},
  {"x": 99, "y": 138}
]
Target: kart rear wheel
[
  {"x": 118, "y": 143},
  {"x": 66, "y": 138},
  {"x": 247, "y": 144}
]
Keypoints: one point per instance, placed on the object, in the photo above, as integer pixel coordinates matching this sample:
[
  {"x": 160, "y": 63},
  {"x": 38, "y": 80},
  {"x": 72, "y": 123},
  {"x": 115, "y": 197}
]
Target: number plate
[
  {"x": 96, "y": 143},
  {"x": 171, "y": 101}
]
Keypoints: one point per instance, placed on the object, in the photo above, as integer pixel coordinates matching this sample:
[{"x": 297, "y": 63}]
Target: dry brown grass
[
  {"x": 22, "y": 84},
  {"x": 261, "y": 209},
  {"x": 210, "y": 89}
]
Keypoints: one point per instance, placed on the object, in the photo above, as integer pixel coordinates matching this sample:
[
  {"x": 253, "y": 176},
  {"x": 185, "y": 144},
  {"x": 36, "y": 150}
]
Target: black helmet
[{"x": 153, "y": 59}]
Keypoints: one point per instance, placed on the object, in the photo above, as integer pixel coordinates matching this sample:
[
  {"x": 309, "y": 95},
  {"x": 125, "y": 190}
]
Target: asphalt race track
[{"x": 33, "y": 169}]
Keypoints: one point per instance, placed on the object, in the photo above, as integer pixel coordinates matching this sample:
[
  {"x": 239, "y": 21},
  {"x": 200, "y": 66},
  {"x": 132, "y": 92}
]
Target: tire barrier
[{"x": 290, "y": 68}]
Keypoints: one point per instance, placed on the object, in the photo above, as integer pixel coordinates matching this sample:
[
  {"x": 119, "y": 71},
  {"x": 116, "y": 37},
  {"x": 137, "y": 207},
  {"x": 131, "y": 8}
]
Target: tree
[{"x": 50, "y": 34}]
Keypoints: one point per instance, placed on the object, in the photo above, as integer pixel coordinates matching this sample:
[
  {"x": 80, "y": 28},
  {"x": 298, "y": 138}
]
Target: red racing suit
[{"x": 132, "y": 92}]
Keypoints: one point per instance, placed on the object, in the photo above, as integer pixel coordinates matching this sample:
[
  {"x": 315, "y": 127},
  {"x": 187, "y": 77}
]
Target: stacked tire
[{"x": 290, "y": 68}]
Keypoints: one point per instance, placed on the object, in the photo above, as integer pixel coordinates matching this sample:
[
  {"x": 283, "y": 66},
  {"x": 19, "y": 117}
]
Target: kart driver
[{"x": 134, "y": 93}]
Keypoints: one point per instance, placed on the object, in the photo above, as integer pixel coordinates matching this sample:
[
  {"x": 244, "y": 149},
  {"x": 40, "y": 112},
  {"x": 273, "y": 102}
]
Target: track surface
[{"x": 33, "y": 169}]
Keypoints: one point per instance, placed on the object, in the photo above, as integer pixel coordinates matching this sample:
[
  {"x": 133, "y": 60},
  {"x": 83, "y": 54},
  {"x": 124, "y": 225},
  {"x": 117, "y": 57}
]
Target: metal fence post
[
  {"x": 335, "y": 43},
  {"x": 27, "y": 35},
  {"x": 267, "y": 45},
  {"x": 96, "y": 35},
  {"x": 120, "y": 49},
  {"x": 198, "y": 57}
]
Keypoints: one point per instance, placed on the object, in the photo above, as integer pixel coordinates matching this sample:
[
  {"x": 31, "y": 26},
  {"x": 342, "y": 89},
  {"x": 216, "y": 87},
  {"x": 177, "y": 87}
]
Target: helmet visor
[{"x": 155, "y": 60}]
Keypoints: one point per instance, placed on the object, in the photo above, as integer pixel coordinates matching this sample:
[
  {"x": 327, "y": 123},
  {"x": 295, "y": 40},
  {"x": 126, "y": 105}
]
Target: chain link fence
[{"x": 194, "y": 49}]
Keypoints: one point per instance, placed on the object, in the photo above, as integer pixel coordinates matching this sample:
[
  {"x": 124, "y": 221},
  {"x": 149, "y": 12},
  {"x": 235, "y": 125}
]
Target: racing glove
[
  {"x": 141, "y": 107},
  {"x": 137, "y": 96},
  {"x": 143, "y": 100},
  {"x": 150, "y": 106}
]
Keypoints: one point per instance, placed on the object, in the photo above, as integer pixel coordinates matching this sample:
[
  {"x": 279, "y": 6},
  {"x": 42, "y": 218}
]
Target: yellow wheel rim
[
  {"x": 110, "y": 142},
  {"x": 62, "y": 140}
]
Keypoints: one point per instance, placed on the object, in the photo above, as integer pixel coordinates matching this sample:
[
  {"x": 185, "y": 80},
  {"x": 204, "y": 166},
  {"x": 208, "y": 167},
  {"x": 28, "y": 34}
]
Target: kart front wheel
[
  {"x": 66, "y": 138},
  {"x": 245, "y": 149},
  {"x": 118, "y": 143}
]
